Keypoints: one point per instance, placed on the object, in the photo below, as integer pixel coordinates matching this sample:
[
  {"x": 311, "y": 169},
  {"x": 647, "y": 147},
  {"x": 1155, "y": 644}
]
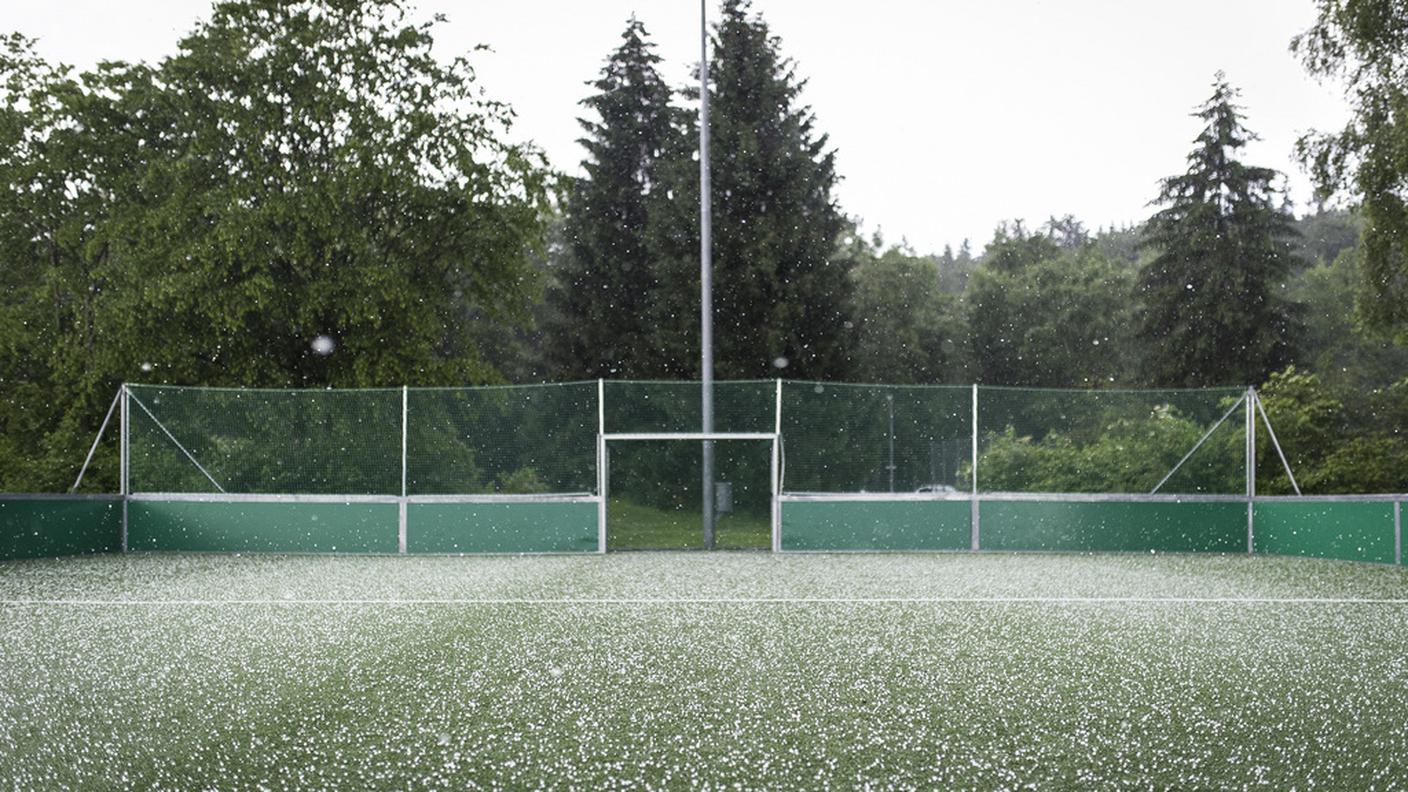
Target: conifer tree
[
  {"x": 780, "y": 290},
  {"x": 1213, "y": 306},
  {"x": 602, "y": 325}
]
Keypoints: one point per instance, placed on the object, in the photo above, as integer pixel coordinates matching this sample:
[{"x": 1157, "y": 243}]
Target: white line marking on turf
[{"x": 726, "y": 601}]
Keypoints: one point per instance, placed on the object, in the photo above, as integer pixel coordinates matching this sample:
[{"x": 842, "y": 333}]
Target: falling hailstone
[
  {"x": 779, "y": 362},
  {"x": 323, "y": 345},
  {"x": 147, "y": 368}
]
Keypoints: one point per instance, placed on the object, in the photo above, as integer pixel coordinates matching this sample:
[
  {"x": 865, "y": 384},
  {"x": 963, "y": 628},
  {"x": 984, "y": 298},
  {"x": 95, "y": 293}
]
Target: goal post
[{"x": 771, "y": 453}]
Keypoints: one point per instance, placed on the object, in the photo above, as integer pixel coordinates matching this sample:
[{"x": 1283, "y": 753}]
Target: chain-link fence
[
  {"x": 542, "y": 439},
  {"x": 579, "y": 466}
]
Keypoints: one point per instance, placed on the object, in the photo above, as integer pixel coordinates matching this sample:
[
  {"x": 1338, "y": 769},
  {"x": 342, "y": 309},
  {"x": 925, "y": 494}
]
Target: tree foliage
[
  {"x": 1334, "y": 344},
  {"x": 1131, "y": 453},
  {"x": 295, "y": 170},
  {"x": 1332, "y": 446},
  {"x": 1046, "y": 308},
  {"x": 1215, "y": 310},
  {"x": 904, "y": 329},
  {"x": 1364, "y": 44}
]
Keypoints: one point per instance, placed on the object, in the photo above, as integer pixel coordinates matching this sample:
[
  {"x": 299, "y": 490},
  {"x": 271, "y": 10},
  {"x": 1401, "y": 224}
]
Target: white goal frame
[{"x": 774, "y": 478}]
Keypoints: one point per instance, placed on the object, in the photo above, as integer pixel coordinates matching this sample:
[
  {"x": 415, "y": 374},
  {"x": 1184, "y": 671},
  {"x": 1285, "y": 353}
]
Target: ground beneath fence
[{"x": 686, "y": 670}]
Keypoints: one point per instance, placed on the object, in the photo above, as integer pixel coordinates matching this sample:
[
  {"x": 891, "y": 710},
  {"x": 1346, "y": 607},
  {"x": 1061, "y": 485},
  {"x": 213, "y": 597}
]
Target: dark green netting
[
  {"x": 836, "y": 438},
  {"x": 265, "y": 441},
  {"x": 875, "y": 438},
  {"x": 506, "y": 440},
  {"x": 740, "y": 406},
  {"x": 1109, "y": 441}
]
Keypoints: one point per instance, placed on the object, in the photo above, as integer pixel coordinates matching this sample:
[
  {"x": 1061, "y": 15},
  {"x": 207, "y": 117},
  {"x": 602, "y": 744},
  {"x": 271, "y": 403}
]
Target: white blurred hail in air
[{"x": 323, "y": 345}]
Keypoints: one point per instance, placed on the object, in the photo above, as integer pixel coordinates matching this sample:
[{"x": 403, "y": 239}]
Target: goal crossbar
[{"x": 703, "y": 436}]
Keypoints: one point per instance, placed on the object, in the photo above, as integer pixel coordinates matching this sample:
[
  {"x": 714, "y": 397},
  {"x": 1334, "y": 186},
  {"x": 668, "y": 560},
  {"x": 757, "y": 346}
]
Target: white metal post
[
  {"x": 777, "y": 471},
  {"x": 1398, "y": 532},
  {"x": 890, "y": 400},
  {"x": 973, "y": 517},
  {"x": 401, "y": 505},
  {"x": 601, "y": 465},
  {"x": 706, "y": 280},
  {"x": 1251, "y": 469},
  {"x": 124, "y": 456}
]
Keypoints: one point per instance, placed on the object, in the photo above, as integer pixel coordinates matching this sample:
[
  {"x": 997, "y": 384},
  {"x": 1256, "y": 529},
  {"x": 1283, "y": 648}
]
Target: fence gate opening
[{"x": 653, "y": 485}]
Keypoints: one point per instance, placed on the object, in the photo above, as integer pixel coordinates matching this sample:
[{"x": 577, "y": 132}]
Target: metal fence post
[
  {"x": 1398, "y": 532},
  {"x": 777, "y": 470},
  {"x": 1251, "y": 469},
  {"x": 601, "y": 465},
  {"x": 124, "y": 456},
  {"x": 401, "y": 506},
  {"x": 973, "y": 497}
]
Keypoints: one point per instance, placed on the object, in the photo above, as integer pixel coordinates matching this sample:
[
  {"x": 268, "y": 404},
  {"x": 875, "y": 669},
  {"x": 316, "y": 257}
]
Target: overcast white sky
[{"x": 948, "y": 116}]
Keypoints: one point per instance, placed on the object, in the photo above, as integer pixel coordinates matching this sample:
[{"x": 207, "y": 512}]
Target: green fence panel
[
  {"x": 271, "y": 527},
  {"x": 566, "y": 527},
  {"x": 47, "y": 527},
  {"x": 1114, "y": 526},
  {"x": 876, "y": 525},
  {"x": 1352, "y": 531}
]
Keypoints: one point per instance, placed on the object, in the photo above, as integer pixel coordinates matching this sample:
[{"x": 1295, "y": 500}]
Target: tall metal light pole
[
  {"x": 890, "y": 398},
  {"x": 706, "y": 263}
]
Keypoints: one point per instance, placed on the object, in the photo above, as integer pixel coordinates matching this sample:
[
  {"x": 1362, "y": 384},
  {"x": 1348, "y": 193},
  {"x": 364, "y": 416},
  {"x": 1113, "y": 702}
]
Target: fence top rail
[
  {"x": 891, "y": 386},
  {"x": 228, "y": 389},
  {"x": 59, "y": 496},
  {"x": 867, "y": 497},
  {"x": 1190, "y": 496},
  {"x": 1114, "y": 497},
  {"x": 1223, "y": 390},
  {"x": 1347, "y": 498},
  {"x": 1041, "y": 497},
  {"x": 512, "y": 386},
  {"x": 285, "y": 497}
]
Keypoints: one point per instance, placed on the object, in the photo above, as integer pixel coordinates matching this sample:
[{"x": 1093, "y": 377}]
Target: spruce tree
[
  {"x": 601, "y": 323},
  {"x": 780, "y": 290},
  {"x": 1213, "y": 306}
]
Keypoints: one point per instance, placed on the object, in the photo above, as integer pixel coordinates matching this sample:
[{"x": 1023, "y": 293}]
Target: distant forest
[{"x": 310, "y": 171}]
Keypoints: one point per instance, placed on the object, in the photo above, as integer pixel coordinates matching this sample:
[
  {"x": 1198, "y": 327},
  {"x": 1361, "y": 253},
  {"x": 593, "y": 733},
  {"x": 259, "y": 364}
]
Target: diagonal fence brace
[
  {"x": 1198, "y": 444},
  {"x": 1276, "y": 443},
  {"x": 173, "y": 439},
  {"x": 102, "y": 430}
]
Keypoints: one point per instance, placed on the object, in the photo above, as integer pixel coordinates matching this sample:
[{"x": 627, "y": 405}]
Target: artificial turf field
[{"x": 676, "y": 670}]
